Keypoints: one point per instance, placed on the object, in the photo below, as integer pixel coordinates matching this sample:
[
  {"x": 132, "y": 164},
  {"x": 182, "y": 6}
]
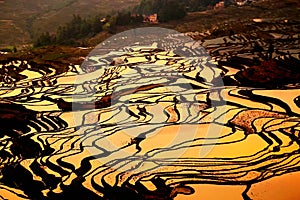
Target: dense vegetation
[
  {"x": 79, "y": 27},
  {"x": 166, "y": 9},
  {"x": 201, "y": 5},
  {"x": 22, "y": 20}
]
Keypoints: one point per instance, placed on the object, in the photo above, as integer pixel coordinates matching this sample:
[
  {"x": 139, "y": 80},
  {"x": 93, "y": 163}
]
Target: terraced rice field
[{"x": 166, "y": 118}]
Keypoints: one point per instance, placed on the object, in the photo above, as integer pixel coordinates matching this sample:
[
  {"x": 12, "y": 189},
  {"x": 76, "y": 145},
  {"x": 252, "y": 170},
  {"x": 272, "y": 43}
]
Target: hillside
[
  {"x": 232, "y": 19},
  {"x": 19, "y": 19}
]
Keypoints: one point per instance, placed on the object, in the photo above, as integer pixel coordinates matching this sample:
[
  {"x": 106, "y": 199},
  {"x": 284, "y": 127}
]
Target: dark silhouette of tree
[
  {"x": 77, "y": 28},
  {"x": 80, "y": 28},
  {"x": 166, "y": 9},
  {"x": 123, "y": 18},
  {"x": 171, "y": 10},
  {"x": 44, "y": 39}
]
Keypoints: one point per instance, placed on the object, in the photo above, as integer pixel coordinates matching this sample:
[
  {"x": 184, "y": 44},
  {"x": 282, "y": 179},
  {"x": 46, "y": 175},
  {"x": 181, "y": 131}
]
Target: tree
[
  {"x": 44, "y": 39},
  {"x": 171, "y": 10},
  {"x": 96, "y": 25},
  {"x": 123, "y": 18}
]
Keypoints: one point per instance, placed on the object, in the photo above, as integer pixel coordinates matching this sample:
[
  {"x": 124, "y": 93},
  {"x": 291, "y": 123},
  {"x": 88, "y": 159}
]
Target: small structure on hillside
[
  {"x": 153, "y": 19},
  {"x": 241, "y": 2},
  {"x": 103, "y": 20},
  {"x": 219, "y": 5}
]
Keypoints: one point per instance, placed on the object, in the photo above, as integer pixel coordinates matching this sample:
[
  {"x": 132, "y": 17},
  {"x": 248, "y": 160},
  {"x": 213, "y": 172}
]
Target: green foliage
[
  {"x": 123, "y": 18},
  {"x": 200, "y": 5},
  {"x": 166, "y": 9},
  {"x": 77, "y": 28},
  {"x": 126, "y": 18},
  {"x": 44, "y": 39},
  {"x": 29, "y": 18},
  {"x": 171, "y": 10},
  {"x": 146, "y": 7},
  {"x": 9, "y": 49},
  {"x": 80, "y": 28}
]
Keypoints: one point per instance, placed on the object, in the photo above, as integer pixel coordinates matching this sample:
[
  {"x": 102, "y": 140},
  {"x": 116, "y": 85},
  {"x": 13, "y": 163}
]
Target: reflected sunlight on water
[{"x": 150, "y": 122}]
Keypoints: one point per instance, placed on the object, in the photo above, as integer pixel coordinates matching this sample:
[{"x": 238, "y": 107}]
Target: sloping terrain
[{"x": 20, "y": 18}]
